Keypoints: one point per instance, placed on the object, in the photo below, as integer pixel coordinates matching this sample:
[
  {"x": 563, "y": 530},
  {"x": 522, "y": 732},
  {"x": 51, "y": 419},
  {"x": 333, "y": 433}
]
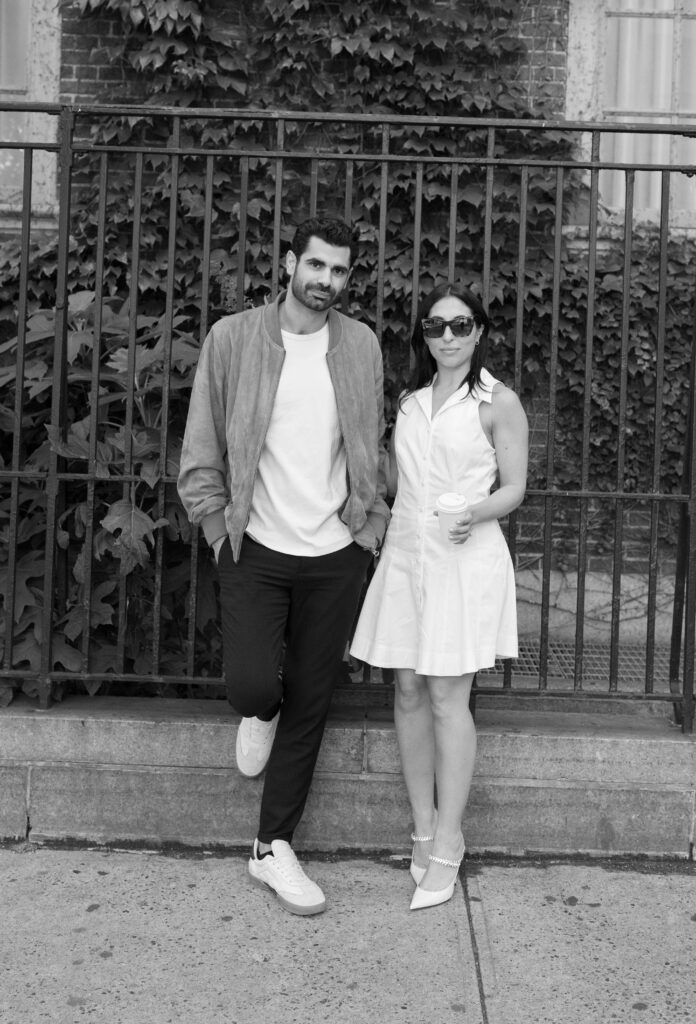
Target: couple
[{"x": 284, "y": 468}]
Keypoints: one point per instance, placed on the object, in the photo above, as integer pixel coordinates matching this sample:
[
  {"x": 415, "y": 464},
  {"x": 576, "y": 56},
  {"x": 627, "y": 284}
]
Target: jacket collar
[{"x": 271, "y": 321}]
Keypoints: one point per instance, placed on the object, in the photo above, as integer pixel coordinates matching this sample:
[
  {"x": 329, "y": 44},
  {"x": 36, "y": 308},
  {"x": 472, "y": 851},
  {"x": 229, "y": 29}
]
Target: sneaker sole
[{"x": 292, "y": 908}]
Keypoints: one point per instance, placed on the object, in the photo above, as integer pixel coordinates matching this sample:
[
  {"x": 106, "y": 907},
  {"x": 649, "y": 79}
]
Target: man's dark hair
[{"x": 328, "y": 229}]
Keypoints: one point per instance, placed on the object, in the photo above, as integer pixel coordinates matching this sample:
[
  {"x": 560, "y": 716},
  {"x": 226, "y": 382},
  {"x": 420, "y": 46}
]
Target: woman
[{"x": 438, "y": 610}]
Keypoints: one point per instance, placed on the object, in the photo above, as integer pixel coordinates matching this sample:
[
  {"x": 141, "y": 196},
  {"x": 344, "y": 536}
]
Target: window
[
  {"x": 14, "y": 36},
  {"x": 633, "y": 61},
  {"x": 29, "y": 70}
]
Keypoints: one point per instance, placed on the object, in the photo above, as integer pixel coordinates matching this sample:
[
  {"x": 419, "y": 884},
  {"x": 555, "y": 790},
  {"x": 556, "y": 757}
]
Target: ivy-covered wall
[{"x": 89, "y": 74}]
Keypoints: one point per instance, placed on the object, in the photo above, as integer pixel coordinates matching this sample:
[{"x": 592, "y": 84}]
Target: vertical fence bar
[
  {"x": 621, "y": 438},
  {"x": 207, "y": 243},
  {"x": 417, "y": 229},
  {"x": 277, "y": 212},
  {"x": 168, "y": 341},
  {"x": 488, "y": 222},
  {"x": 680, "y": 575},
  {"x": 94, "y": 418},
  {"x": 58, "y": 401},
  {"x": 241, "y": 245},
  {"x": 690, "y": 619},
  {"x": 194, "y": 557},
  {"x": 684, "y": 554},
  {"x": 18, "y": 412},
  {"x": 521, "y": 276},
  {"x": 348, "y": 218},
  {"x": 383, "y": 197},
  {"x": 657, "y": 436},
  {"x": 519, "y": 338},
  {"x": 587, "y": 417},
  {"x": 128, "y": 487},
  {"x": 348, "y": 197},
  {"x": 313, "y": 187},
  {"x": 454, "y": 202},
  {"x": 549, "y": 505}
]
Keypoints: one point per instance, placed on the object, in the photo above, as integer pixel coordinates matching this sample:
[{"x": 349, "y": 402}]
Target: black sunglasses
[{"x": 460, "y": 326}]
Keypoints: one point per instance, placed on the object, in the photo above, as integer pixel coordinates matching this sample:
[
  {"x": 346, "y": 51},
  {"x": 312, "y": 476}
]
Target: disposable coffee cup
[{"x": 449, "y": 509}]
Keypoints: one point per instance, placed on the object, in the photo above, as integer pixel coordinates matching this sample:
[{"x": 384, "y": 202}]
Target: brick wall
[
  {"x": 85, "y": 76},
  {"x": 544, "y": 28},
  {"x": 635, "y": 546}
]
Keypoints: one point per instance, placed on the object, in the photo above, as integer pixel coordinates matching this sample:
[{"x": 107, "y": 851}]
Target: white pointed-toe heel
[
  {"x": 423, "y": 898},
  {"x": 418, "y": 873}
]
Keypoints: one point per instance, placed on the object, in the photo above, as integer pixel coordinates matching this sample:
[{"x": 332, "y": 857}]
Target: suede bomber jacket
[{"x": 231, "y": 404}]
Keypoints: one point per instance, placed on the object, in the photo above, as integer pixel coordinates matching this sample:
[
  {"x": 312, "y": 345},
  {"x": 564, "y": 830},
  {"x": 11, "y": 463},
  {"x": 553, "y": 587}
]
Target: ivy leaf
[
  {"x": 150, "y": 472},
  {"x": 30, "y": 567},
  {"x": 76, "y": 339},
  {"x": 101, "y": 613},
  {"x": 79, "y": 302},
  {"x": 37, "y": 372},
  {"x": 29, "y": 650},
  {"x": 132, "y": 528}
]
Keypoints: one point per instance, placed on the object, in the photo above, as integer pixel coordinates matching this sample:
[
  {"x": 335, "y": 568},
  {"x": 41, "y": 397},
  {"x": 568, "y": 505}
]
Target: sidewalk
[{"x": 150, "y": 938}]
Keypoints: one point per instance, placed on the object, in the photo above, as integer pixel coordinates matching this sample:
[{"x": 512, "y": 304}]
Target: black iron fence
[{"x": 164, "y": 219}]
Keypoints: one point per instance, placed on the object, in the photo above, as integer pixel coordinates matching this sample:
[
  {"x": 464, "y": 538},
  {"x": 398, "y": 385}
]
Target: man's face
[{"x": 319, "y": 275}]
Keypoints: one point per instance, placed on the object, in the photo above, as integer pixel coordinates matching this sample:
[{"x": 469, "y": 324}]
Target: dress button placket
[{"x": 422, "y": 512}]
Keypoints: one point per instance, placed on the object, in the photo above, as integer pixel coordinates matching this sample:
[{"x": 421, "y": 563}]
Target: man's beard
[{"x": 313, "y": 297}]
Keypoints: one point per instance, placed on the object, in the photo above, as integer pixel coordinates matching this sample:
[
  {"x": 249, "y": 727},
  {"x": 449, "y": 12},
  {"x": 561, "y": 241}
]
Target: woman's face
[{"x": 450, "y": 351}]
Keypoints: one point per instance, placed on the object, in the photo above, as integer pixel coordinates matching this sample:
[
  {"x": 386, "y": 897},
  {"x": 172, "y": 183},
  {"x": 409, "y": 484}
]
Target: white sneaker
[
  {"x": 254, "y": 742},
  {"x": 281, "y": 872}
]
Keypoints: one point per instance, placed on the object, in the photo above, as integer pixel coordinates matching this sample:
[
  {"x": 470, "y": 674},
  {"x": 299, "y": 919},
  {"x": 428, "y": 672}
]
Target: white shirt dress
[{"x": 439, "y": 608}]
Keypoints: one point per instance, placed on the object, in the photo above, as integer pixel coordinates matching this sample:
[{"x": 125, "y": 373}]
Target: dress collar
[{"x": 424, "y": 396}]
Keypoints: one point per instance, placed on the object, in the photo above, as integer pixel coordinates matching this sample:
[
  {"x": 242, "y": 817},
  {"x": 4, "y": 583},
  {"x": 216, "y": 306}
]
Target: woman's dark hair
[{"x": 425, "y": 366}]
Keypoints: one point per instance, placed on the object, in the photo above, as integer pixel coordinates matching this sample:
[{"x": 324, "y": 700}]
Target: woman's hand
[{"x": 461, "y": 532}]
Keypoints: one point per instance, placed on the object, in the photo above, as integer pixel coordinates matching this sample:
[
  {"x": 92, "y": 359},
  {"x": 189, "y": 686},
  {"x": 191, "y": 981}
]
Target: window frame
[
  {"x": 585, "y": 100},
  {"x": 42, "y": 86}
]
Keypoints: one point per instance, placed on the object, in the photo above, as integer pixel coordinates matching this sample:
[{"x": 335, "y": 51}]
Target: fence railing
[{"x": 170, "y": 218}]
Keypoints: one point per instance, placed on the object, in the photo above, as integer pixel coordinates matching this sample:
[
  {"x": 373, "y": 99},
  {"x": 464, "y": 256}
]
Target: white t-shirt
[{"x": 301, "y": 481}]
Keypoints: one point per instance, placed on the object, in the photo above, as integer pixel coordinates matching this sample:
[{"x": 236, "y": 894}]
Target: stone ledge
[{"x": 106, "y": 770}]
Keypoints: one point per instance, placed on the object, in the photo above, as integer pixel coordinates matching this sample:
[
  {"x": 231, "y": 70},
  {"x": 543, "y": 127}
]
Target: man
[{"x": 283, "y": 466}]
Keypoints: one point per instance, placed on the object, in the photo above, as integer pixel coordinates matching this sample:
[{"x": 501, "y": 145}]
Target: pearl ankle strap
[
  {"x": 421, "y": 839},
  {"x": 447, "y": 863}
]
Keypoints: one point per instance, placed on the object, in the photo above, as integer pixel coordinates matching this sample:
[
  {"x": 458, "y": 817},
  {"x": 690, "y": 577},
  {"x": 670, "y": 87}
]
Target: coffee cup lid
[{"x": 451, "y": 502}]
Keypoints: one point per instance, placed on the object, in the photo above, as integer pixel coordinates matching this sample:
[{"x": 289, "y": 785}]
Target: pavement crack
[{"x": 475, "y": 950}]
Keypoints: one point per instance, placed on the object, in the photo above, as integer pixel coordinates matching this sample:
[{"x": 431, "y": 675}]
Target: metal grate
[{"x": 596, "y": 666}]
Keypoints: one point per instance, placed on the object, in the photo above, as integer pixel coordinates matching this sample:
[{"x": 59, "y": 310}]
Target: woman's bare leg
[
  {"x": 455, "y": 754},
  {"x": 413, "y": 720}
]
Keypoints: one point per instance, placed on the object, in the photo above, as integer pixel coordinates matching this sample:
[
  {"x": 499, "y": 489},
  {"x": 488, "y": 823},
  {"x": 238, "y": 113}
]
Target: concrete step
[{"x": 121, "y": 770}]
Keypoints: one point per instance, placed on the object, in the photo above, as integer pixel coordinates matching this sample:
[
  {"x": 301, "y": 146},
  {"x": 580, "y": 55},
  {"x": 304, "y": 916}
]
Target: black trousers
[{"x": 295, "y": 612}]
